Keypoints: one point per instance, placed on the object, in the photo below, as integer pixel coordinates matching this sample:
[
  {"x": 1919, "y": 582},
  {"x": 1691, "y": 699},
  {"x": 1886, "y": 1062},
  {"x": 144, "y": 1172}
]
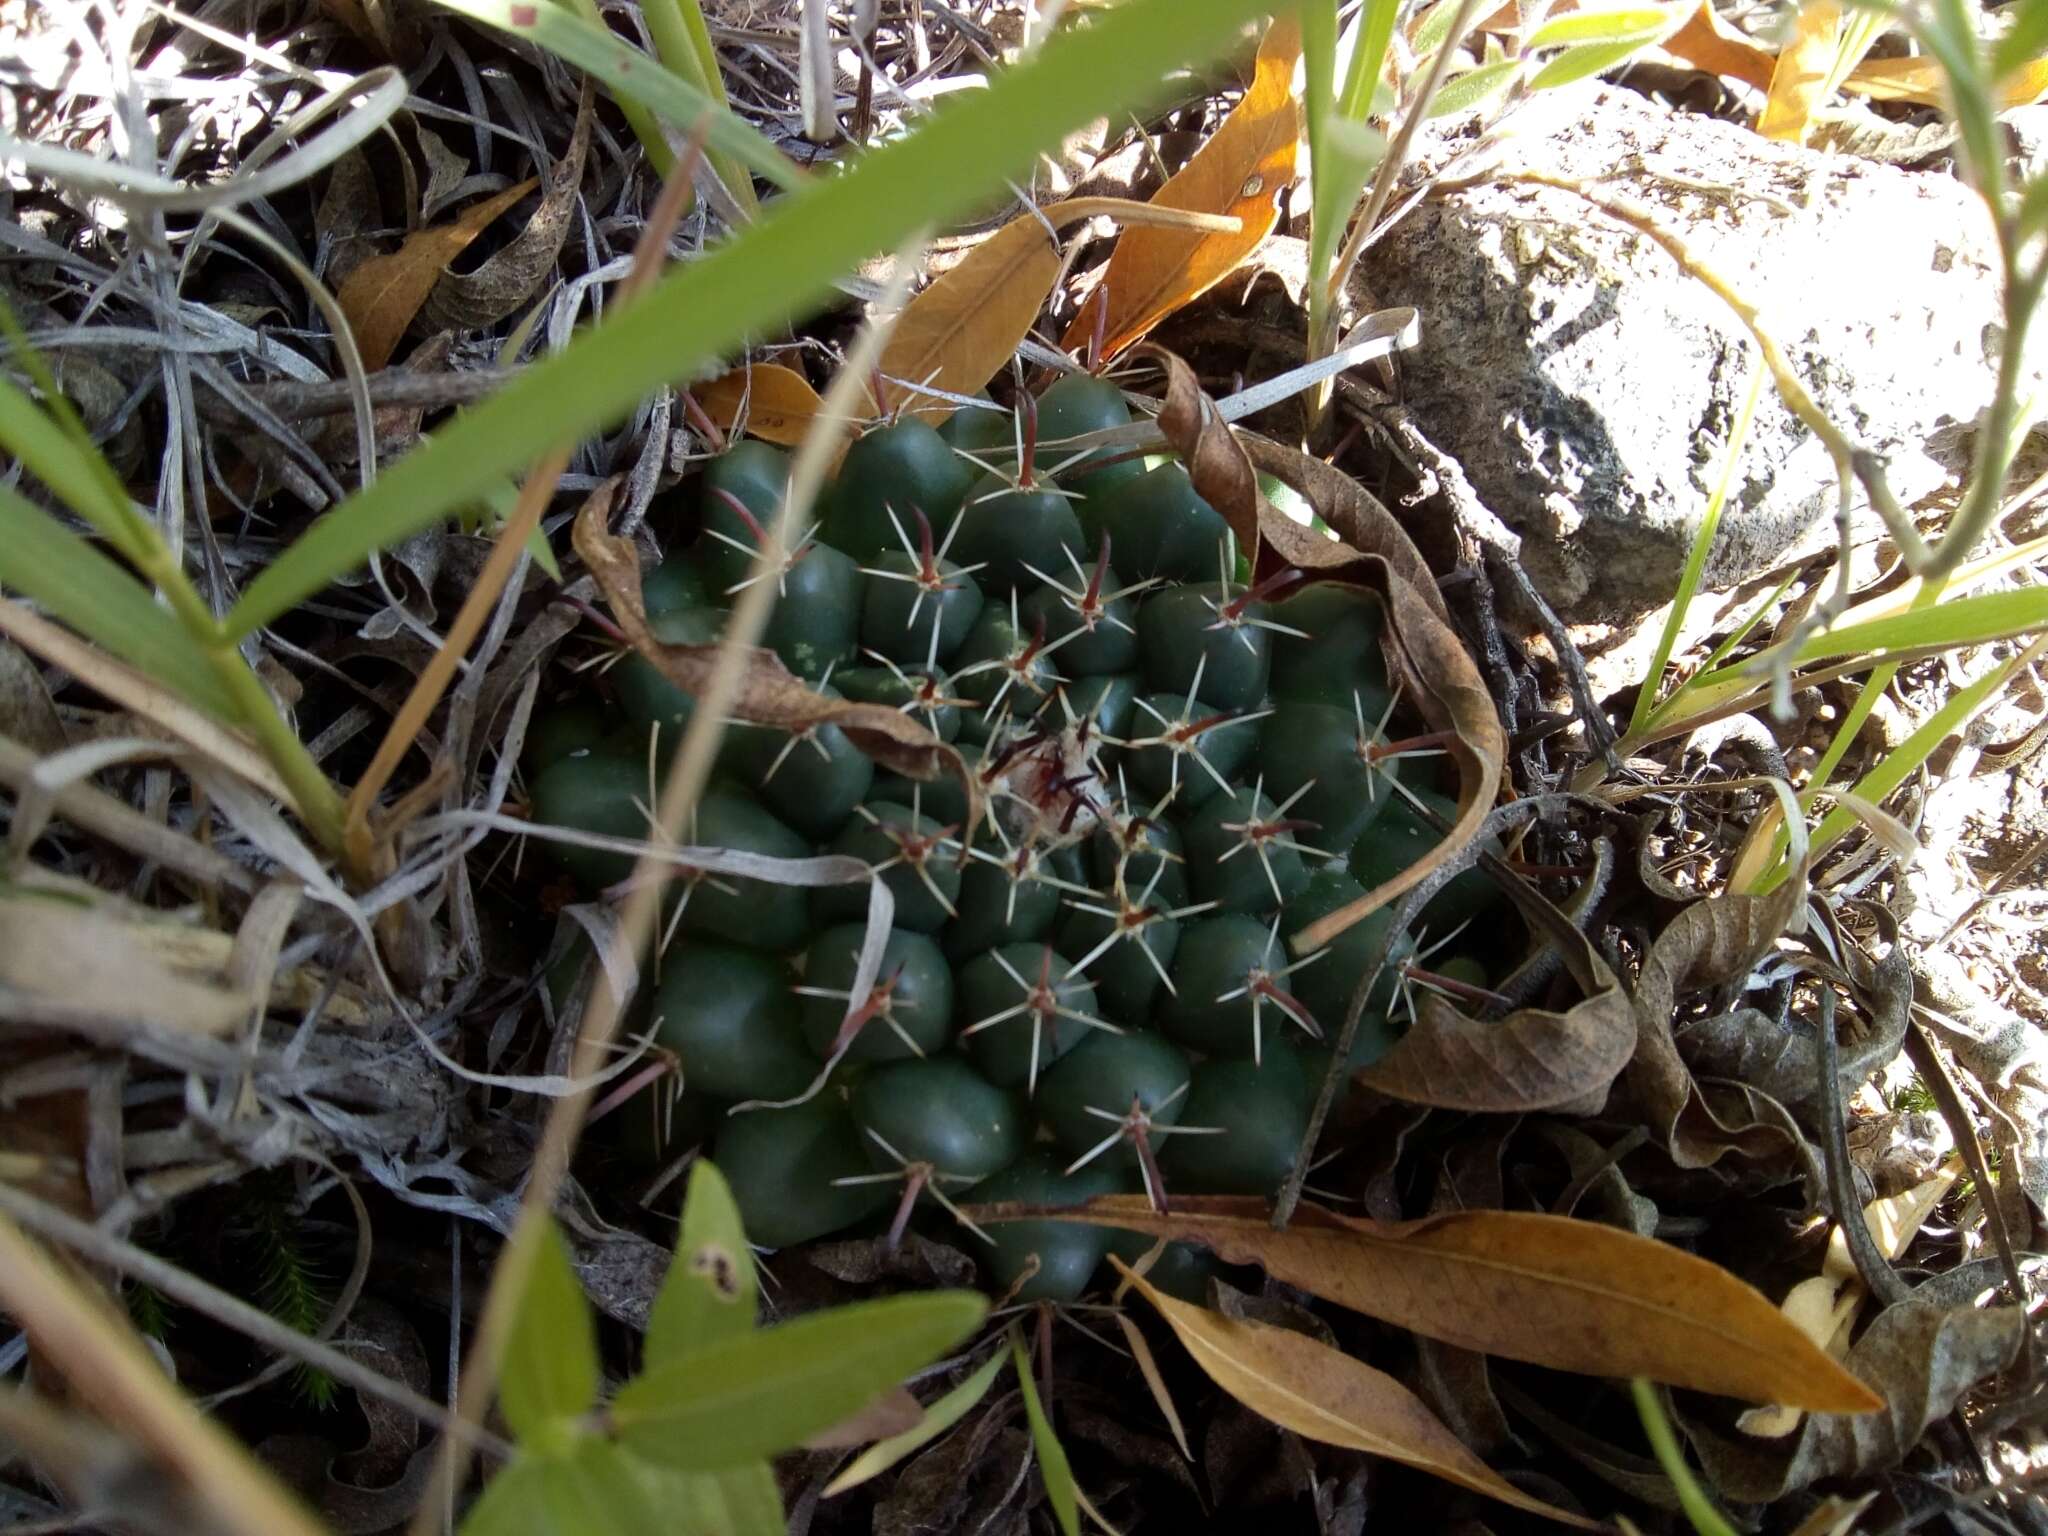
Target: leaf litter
[{"x": 1691, "y": 1029}]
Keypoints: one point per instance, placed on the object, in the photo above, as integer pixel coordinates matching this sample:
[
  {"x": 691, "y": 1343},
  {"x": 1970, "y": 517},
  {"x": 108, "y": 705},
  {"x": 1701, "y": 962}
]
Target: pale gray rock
[{"x": 1589, "y": 386}]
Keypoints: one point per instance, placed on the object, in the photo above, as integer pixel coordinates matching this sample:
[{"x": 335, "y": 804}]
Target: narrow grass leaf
[
  {"x": 634, "y": 76},
  {"x": 775, "y": 404},
  {"x": 1323, "y": 1394},
  {"x": 1895, "y": 767},
  {"x": 941, "y": 1416},
  {"x": 1572, "y": 1295},
  {"x": 382, "y": 296},
  {"x": 1696, "y": 557},
  {"x": 1368, "y": 66},
  {"x": 1148, "y": 1367},
  {"x": 40, "y": 443},
  {"x": 1053, "y": 1465},
  {"x": 1242, "y": 170},
  {"x": 764, "y": 1392},
  {"x": 551, "y": 1370},
  {"x": 711, "y": 1292},
  {"x": 75, "y": 582},
  {"x": 770, "y": 275}
]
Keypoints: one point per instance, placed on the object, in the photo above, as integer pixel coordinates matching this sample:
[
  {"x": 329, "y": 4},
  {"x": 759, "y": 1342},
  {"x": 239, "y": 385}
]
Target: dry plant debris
[{"x": 1758, "y": 1114}]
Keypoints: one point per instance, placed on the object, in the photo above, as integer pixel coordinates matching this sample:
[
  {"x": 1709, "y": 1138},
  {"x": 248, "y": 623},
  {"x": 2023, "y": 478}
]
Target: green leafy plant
[{"x": 685, "y": 1444}]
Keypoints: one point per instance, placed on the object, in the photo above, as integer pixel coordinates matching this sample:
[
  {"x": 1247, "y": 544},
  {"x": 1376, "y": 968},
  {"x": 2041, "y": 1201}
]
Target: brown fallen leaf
[
  {"x": 1925, "y": 1352},
  {"x": 1242, "y": 170},
  {"x": 1534, "y": 1058},
  {"x": 1921, "y": 81},
  {"x": 1572, "y": 1295},
  {"x": 1710, "y": 43},
  {"x": 1323, "y": 1394},
  {"x": 769, "y": 693},
  {"x": 1708, "y": 944},
  {"x": 776, "y": 403},
  {"x": 1426, "y": 656},
  {"x": 964, "y": 328},
  {"x": 513, "y": 274},
  {"x": 382, "y": 295},
  {"x": 1802, "y": 77}
]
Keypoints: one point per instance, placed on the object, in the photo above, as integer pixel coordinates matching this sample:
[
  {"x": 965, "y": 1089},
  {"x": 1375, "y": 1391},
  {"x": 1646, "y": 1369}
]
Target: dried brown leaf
[
  {"x": 964, "y": 328},
  {"x": 511, "y": 276},
  {"x": 769, "y": 693},
  {"x": 1423, "y": 651},
  {"x": 1532, "y": 1059},
  {"x": 1323, "y": 1394},
  {"x": 1572, "y": 1295},
  {"x": 1924, "y": 1354},
  {"x": 381, "y": 297},
  {"x": 1719, "y": 48},
  {"x": 1242, "y": 171},
  {"x": 1799, "y": 80},
  {"x": 81, "y": 961},
  {"x": 775, "y": 403},
  {"x": 1708, "y": 944}
]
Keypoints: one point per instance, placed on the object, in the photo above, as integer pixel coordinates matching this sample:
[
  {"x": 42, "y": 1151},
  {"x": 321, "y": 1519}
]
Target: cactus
[{"x": 1090, "y": 991}]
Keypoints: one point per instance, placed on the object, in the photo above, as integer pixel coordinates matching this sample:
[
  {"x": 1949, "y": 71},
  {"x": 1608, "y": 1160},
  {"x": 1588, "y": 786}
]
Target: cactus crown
[{"x": 1089, "y": 991}]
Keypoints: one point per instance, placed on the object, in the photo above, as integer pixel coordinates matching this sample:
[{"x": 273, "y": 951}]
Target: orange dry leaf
[
  {"x": 1241, "y": 171},
  {"x": 382, "y": 295},
  {"x": 1709, "y": 43},
  {"x": 1920, "y": 80},
  {"x": 779, "y": 402},
  {"x": 958, "y": 332},
  {"x": 1802, "y": 80}
]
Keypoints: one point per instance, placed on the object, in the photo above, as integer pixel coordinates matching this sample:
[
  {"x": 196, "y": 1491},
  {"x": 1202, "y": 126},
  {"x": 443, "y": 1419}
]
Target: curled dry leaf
[
  {"x": 1241, "y": 171},
  {"x": 769, "y": 693},
  {"x": 774, "y": 403},
  {"x": 964, "y": 328},
  {"x": 1572, "y": 1295},
  {"x": 1924, "y": 1353},
  {"x": 1323, "y": 1394},
  {"x": 381, "y": 297},
  {"x": 1708, "y": 944},
  {"x": 1535, "y": 1058},
  {"x": 1424, "y": 652},
  {"x": 462, "y": 301}
]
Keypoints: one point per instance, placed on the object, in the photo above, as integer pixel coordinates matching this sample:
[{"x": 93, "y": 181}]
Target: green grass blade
[
  {"x": 1368, "y": 58},
  {"x": 1053, "y": 1465},
  {"x": 938, "y": 1418},
  {"x": 770, "y": 274},
  {"x": 760, "y": 1393},
  {"x": 1696, "y": 557},
  {"x": 634, "y": 76},
  {"x": 1894, "y": 768},
  {"x": 684, "y": 43},
  {"x": 96, "y": 597}
]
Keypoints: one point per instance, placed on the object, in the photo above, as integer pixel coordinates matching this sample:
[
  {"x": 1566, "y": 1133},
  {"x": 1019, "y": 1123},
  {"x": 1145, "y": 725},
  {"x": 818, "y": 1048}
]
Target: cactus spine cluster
[{"x": 1091, "y": 990}]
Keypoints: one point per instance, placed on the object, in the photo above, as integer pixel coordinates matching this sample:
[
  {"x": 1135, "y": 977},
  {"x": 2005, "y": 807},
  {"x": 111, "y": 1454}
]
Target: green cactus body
[{"x": 1088, "y": 989}]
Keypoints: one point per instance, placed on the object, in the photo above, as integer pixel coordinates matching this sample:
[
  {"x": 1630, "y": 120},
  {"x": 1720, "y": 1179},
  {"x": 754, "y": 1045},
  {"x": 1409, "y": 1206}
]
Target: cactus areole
[{"x": 1090, "y": 991}]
